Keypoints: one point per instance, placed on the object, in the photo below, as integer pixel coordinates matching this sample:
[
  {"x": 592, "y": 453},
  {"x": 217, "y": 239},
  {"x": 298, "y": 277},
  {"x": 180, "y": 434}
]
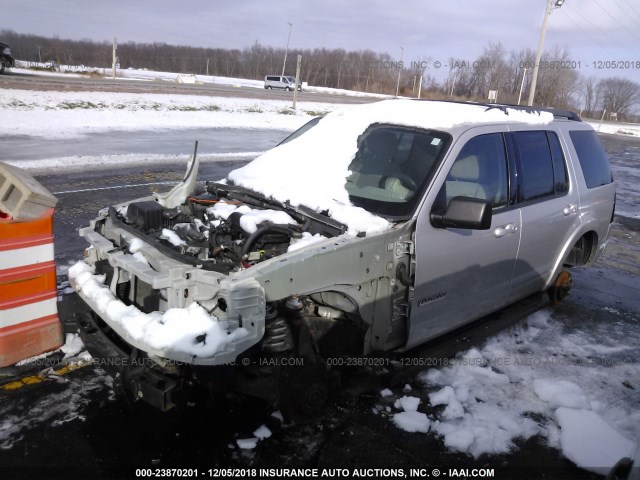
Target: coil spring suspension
[{"x": 277, "y": 336}]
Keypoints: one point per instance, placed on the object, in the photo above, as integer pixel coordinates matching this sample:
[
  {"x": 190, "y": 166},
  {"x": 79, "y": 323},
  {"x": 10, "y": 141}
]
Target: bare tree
[
  {"x": 591, "y": 96},
  {"x": 619, "y": 95},
  {"x": 557, "y": 79}
]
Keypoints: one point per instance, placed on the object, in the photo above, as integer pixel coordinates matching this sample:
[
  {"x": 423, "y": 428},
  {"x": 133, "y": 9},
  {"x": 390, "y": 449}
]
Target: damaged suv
[{"x": 373, "y": 229}]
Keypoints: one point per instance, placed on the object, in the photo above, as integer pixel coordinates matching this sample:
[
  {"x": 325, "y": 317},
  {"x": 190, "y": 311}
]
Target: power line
[
  {"x": 626, "y": 10},
  {"x": 624, "y": 47},
  {"x": 615, "y": 19},
  {"x": 632, "y": 7},
  {"x": 596, "y": 42}
]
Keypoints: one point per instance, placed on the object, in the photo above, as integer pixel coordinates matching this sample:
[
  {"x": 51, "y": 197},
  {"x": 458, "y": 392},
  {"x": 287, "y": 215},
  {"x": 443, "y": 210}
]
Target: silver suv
[{"x": 373, "y": 229}]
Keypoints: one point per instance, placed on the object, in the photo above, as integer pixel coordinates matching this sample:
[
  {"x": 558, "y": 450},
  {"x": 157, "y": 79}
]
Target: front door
[{"x": 462, "y": 274}]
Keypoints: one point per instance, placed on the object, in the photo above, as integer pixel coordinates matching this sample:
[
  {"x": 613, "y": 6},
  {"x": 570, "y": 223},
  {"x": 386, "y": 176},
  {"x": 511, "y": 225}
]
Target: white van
[{"x": 279, "y": 81}]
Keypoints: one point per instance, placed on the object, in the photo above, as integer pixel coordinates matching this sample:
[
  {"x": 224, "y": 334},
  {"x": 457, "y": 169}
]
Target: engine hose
[
  {"x": 403, "y": 276},
  {"x": 255, "y": 236}
]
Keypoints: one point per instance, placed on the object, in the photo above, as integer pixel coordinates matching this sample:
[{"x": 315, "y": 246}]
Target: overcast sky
[{"x": 593, "y": 30}]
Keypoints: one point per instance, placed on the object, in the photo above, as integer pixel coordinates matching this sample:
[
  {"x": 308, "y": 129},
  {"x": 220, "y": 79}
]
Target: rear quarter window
[{"x": 592, "y": 157}]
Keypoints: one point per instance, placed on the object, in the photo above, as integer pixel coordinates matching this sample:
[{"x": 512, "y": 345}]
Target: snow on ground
[
  {"x": 54, "y": 114},
  {"x": 72, "y": 345},
  {"x": 615, "y": 128},
  {"x": 252, "y": 442},
  {"x": 99, "y": 162},
  {"x": 51, "y": 410},
  {"x": 576, "y": 389},
  {"x": 56, "y": 408}
]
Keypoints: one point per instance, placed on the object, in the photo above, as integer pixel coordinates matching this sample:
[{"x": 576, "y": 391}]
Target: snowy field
[
  {"x": 54, "y": 114},
  {"x": 65, "y": 115},
  {"x": 616, "y": 128}
]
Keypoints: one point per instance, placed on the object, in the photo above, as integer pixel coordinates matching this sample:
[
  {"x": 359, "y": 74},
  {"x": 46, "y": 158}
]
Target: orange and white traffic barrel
[{"x": 29, "y": 323}]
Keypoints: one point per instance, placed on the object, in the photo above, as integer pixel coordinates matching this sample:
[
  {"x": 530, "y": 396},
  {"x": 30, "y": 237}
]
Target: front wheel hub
[{"x": 561, "y": 287}]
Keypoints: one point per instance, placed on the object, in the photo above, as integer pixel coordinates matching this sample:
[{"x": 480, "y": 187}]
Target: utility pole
[
  {"x": 399, "y": 70},
  {"x": 298, "y": 82},
  {"x": 420, "y": 86},
  {"x": 524, "y": 75},
  {"x": 287, "y": 49},
  {"x": 602, "y": 118},
  {"x": 207, "y": 67},
  {"x": 534, "y": 80},
  {"x": 453, "y": 84},
  {"x": 115, "y": 58}
]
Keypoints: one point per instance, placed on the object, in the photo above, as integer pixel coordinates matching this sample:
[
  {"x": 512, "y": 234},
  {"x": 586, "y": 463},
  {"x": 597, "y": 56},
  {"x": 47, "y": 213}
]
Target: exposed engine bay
[
  {"x": 224, "y": 228},
  {"x": 168, "y": 278}
]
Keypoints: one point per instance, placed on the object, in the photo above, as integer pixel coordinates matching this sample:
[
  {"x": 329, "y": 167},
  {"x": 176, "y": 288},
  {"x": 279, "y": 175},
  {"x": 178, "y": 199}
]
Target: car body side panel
[{"x": 461, "y": 274}]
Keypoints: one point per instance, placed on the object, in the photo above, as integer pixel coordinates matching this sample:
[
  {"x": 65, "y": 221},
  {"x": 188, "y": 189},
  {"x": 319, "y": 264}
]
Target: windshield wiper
[{"x": 259, "y": 200}]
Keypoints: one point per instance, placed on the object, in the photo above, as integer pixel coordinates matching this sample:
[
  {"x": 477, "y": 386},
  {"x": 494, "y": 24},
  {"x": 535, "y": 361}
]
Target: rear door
[
  {"x": 464, "y": 274},
  {"x": 549, "y": 206}
]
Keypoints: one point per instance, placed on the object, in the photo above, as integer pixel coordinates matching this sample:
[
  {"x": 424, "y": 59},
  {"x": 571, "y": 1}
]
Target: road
[{"x": 98, "y": 84}]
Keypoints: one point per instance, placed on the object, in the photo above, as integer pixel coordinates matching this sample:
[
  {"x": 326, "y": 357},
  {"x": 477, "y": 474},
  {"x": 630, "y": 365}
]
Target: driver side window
[{"x": 479, "y": 171}]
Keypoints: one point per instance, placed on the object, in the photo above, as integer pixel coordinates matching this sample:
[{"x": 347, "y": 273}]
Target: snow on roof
[{"x": 311, "y": 170}]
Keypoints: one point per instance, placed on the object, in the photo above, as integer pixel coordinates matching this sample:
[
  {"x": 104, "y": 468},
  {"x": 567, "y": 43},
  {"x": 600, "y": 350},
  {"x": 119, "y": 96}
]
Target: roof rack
[{"x": 557, "y": 113}]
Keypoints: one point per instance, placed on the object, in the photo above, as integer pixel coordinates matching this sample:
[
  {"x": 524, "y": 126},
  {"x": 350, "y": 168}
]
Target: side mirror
[{"x": 464, "y": 212}]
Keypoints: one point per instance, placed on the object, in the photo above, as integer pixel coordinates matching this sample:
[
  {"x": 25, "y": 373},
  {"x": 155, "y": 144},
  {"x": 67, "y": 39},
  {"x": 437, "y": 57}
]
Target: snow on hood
[{"x": 311, "y": 170}]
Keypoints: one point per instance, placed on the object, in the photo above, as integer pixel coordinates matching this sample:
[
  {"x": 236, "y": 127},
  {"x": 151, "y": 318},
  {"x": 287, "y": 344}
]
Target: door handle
[
  {"x": 503, "y": 230},
  {"x": 570, "y": 209}
]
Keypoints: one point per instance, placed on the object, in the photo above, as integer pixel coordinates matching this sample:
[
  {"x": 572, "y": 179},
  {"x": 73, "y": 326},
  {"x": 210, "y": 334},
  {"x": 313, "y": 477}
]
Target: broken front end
[{"x": 222, "y": 289}]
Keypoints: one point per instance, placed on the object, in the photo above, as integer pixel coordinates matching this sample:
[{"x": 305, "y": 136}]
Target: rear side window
[
  {"x": 536, "y": 165},
  {"x": 542, "y": 167},
  {"x": 592, "y": 157}
]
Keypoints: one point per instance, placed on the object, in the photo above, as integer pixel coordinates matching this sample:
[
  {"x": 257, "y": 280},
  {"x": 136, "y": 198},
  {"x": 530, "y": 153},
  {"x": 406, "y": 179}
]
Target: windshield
[
  {"x": 311, "y": 123},
  {"x": 364, "y": 166},
  {"x": 392, "y": 167}
]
